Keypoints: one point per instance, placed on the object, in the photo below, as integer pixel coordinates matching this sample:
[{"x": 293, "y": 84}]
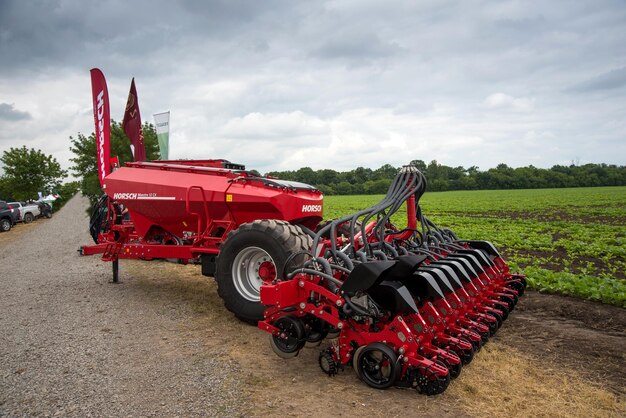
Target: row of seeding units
[{"x": 404, "y": 307}]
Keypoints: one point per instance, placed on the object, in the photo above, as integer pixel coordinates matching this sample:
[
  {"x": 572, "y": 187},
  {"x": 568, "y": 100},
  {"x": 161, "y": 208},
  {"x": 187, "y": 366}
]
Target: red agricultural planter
[{"x": 403, "y": 306}]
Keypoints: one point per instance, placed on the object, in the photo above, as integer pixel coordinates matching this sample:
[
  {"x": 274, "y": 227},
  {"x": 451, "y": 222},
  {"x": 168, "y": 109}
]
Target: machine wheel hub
[
  {"x": 251, "y": 267},
  {"x": 267, "y": 271}
]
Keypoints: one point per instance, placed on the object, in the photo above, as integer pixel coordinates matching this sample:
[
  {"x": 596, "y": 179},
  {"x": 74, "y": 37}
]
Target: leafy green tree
[
  {"x": 358, "y": 176},
  {"x": 306, "y": 175},
  {"x": 387, "y": 171},
  {"x": 84, "y": 149},
  {"x": 328, "y": 176},
  {"x": 69, "y": 189},
  {"x": 327, "y": 190},
  {"x": 6, "y": 193},
  {"x": 28, "y": 171},
  {"x": 65, "y": 192},
  {"x": 420, "y": 164},
  {"x": 343, "y": 188},
  {"x": 377, "y": 186}
]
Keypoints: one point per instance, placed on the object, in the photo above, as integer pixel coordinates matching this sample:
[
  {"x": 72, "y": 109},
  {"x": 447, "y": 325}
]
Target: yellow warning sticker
[{"x": 229, "y": 197}]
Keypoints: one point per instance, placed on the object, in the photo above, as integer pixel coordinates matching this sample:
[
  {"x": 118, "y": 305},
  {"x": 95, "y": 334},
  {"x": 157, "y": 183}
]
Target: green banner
[{"x": 162, "y": 123}]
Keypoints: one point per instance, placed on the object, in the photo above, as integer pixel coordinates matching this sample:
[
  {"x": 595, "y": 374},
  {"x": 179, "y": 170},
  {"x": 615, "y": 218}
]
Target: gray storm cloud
[
  {"x": 9, "y": 113},
  {"x": 336, "y": 84}
]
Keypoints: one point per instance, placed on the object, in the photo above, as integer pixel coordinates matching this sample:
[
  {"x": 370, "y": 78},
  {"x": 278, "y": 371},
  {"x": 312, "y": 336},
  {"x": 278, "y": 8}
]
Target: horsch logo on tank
[
  {"x": 124, "y": 196},
  {"x": 311, "y": 208}
]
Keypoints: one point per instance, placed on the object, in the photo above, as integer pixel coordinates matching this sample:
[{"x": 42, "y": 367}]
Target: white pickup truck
[{"x": 28, "y": 212}]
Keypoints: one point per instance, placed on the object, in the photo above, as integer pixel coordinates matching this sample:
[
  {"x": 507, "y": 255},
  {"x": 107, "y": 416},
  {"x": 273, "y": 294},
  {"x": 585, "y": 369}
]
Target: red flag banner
[
  {"x": 102, "y": 120},
  {"x": 132, "y": 124}
]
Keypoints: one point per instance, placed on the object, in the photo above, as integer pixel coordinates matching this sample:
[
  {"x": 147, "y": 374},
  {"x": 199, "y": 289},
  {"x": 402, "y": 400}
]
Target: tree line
[
  {"x": 28, "y": 171},
  {"x": 441, "y": 177}
]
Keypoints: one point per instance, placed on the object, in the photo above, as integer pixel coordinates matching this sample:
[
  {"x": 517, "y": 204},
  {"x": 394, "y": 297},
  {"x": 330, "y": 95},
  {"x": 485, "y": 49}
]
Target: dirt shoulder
[
  {"x": 575, "y": 334},
  {"x": 72, "y": 344}
]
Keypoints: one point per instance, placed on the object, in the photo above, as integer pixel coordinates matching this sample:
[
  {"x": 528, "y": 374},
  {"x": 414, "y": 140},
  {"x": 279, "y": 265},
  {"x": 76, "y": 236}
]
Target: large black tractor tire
[
  {"x": 5, "y": 225},
  {"x": 252, "y": 253}
]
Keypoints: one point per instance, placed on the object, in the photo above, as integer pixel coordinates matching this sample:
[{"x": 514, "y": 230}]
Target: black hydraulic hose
[
  {"x": 432, "y": 256},
  {"x": 362, "y": 256},
  {"x": 346, "y": 260},
  {"x": 352, "y": 218},
  {"x": 391, "y": 196},
  {"x": 290, "y": 258},
  {"x": 331, "y": 280},
  {"x": 452, "y": 234},
  {"x": 413, "y": 186},
  {"x": 307, "y": 231},
  {"x": 409, "y": 181},
  {"x": 381, "y": 254},
  {"x": 420, "y": 216},
  {"x": 325, "y": 264},
  {"x": 394, "y": 252},
  {"x": 340, "y": 268},
  {"x": 438, "y": 236},
  {"x": 452, "y": 246},
  {"x": 395, "y": 189}
]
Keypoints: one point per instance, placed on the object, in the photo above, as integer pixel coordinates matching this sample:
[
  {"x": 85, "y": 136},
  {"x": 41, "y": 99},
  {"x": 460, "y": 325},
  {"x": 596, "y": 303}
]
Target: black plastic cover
[
  {"x": 478, "y": 268},
  {"x": 442, "y": 280},
  {"x": 478, "y": 254},
  {"x": 393, "y": 296},
  {"x": 485, "y": 246},
  {"x": 455, "y": 265},
  {"x": 406, "y": 265},
  {"x": 450, "y": 275},
  {"x": 422, "y": 284},
  {"x": 366, "y": 275},
  {"x": 209, "y": 264}
]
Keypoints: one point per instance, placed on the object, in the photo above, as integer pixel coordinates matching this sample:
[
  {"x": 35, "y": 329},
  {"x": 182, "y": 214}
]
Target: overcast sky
[{"x": 338, "y": 84}]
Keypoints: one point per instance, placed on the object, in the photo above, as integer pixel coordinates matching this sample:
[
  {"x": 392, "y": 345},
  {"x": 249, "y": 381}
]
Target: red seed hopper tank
[
  {"x": 186, "y": 210},
  {"x": 177, "y": 197}
]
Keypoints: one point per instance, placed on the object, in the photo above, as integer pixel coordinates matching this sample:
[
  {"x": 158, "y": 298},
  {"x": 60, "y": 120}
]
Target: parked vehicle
[
  {"x": 45, "y": 209},
  {"x": 15, "y": 207},
  {"x": 28, "y": 212},
  {"x": 8, "y": 216}
]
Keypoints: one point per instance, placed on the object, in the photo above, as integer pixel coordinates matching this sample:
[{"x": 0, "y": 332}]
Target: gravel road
[{"x": 72, "y": 344}]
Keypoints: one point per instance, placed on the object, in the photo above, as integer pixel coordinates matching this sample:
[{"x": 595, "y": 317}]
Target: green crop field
[{"x": 570, "y": 241}]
